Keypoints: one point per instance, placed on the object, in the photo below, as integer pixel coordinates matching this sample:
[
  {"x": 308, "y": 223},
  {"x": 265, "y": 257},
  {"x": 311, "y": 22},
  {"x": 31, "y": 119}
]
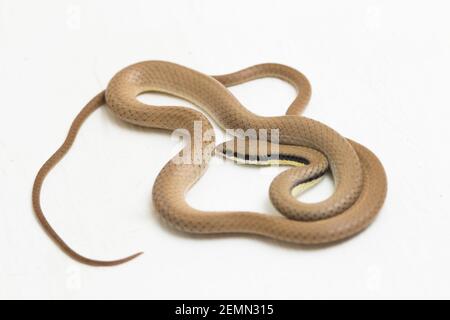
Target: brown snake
[{"x": 360, "y": 180}]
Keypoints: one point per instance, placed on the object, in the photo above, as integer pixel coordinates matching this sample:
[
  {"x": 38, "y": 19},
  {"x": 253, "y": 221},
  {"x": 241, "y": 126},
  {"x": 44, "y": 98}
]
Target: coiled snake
[{"x": 360, "y": 180}]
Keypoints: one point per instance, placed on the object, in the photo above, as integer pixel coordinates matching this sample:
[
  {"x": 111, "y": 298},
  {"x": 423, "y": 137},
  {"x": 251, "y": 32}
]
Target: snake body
[{"x": 360, "y": 180}]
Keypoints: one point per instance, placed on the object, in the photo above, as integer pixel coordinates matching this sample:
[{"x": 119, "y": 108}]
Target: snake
[{"x": 310, "y": 147}]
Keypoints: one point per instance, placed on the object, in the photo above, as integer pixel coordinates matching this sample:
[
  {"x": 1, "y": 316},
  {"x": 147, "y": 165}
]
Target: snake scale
[{"x": 359, "y": 177}]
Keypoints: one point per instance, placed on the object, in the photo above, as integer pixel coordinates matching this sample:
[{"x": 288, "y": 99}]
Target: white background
[{"x": 380, "y": 72}]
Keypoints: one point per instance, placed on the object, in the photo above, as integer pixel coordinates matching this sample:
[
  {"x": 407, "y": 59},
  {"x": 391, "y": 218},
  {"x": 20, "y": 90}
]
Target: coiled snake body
[{"x": 360, "y": 180}]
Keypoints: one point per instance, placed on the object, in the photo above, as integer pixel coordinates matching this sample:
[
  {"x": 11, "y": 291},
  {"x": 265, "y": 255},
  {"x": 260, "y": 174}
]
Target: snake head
[{"x": 248, "y": 151}]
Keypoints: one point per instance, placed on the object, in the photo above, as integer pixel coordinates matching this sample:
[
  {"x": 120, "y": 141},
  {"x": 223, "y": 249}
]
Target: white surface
[{"x": 380, "y": 72}]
